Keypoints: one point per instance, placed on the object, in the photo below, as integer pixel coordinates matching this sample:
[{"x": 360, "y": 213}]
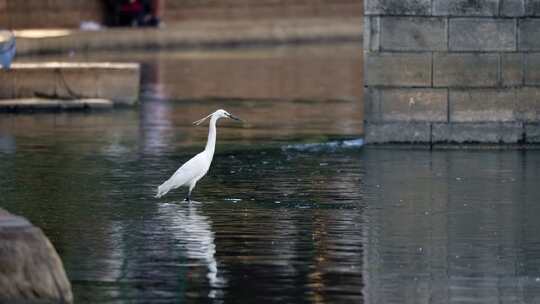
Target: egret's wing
[
  {"x": 184, "y": 175},
  {"x": 188, "y": 171}
]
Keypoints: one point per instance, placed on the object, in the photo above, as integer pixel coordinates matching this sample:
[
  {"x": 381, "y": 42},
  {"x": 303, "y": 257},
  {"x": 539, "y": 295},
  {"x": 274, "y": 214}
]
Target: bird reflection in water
[{"x": 193, "y": 233}]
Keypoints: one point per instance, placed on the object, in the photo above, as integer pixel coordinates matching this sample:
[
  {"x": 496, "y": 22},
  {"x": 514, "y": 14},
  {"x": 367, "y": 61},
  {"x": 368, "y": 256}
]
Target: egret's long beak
[{"x": 234, "y": 117}]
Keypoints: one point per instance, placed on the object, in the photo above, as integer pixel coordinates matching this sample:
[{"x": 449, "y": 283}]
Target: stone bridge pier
[{"x": 452, "y": 71}]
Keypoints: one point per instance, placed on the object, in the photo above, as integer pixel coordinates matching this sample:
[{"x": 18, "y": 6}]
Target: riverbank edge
[{"x": 193, "y": 35}]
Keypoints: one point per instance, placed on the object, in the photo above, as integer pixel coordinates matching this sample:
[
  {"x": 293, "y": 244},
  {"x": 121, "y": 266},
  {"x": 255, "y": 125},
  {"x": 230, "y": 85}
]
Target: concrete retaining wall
[
  {"x": 193, "y": 35},
  {"x": 452, "y": 71},
  {"x": 19, "y": 14},
  {"x": 118, "y": 82}
]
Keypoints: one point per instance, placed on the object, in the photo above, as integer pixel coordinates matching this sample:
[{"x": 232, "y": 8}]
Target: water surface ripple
[{"x": 277, "y": 220}]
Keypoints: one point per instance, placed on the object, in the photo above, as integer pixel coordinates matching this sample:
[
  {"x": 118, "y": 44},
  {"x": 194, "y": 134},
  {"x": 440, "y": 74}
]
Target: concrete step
[
  {"x": 118, "y": 82},
  {"x": 191, "y": 35},
  {"x": 44, "y": 104}
]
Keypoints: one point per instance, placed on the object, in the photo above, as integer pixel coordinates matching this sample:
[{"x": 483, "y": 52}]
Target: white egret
[{"x": 194, "y": 169}]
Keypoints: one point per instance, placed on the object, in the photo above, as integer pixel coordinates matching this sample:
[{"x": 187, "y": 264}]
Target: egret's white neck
[{"x": 211, "y": 143}]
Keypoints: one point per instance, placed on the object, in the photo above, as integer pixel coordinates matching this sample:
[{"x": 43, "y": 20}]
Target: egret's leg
[{"x": 188, "y": 198}]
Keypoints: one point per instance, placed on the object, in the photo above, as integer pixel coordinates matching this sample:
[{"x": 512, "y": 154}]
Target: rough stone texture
[
  {"x": 30, "y": 269},
  {"x": 372, "y": 104},
  {"x": 479, "y": 34},
  {"x": 512, "y": 69},
  {"x": 532, "y": 69},
  {"x": 117, "y": 82},
  {"x": 397, "y": 132},
  {"x": 397, "y": 7},
  {"x": 504, "y": 133},
  {"x": 413, "y": 33},
  {"x": 528, "y": 104},
  {"x": 532, "y": 7},
  {"x": 465, "y": 7},
  {"x": 485, "y": 72},
  {"x": 529, "y": 34},
  {"x": 482, "y": 105},
  {"x": 371, "y": 33},
  {"x": 532, "y": 133},
  {"x": 398, "y": 69},
  {"x": 465, "y": 70},
  {"x": 512, "y": 8},
  {"x": 414, "y": 105}
]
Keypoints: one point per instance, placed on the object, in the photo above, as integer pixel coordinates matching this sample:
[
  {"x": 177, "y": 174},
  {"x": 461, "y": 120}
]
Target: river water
[{"x": 294, "y": 209}]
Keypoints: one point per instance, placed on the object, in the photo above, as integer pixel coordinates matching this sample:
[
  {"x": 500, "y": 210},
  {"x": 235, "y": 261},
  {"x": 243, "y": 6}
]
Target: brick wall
[{"x": 452, "y": 71}]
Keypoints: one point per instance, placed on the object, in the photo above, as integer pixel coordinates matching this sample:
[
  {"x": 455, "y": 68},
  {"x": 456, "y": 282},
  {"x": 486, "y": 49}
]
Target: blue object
[{"x": 7, "y": 50}]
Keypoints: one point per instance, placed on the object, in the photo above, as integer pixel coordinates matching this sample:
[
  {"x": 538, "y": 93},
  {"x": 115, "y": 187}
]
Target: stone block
[
  {"x": 397, "y": 7},
  {"x": 481, "y": 34},
  {"x": 414, "y": 105},
  {"x": 398, "y": 69},
  {"x": 490, "y": 132},
  {"x": 532, "y": 69},
  {"x": 372, "y": 104},
  {"x": 529, "y": 34},
  {"x": 465, "y": 7},
  {"x": 532, "y": 133},
  {"x": 482, "y": 105},
  {"x": 465, "y": 70},
  {"x": 512, "y": 8},
  {"x": 528, "y": 104},
  {"x": 372, "y": 33},
  {"x": 532, "y": 7},
  {"x": 413, "y": 33},
  {"x": 512, "y": 69},
  {"x": 397, "y": 132}
]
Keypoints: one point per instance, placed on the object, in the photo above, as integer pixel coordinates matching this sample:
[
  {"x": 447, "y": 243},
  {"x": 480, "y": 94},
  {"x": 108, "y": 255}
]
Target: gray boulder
[{"x": 30, "y": 269}]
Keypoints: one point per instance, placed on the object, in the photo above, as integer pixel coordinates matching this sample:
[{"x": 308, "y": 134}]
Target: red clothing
[{"x": 133, "y": 7}]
